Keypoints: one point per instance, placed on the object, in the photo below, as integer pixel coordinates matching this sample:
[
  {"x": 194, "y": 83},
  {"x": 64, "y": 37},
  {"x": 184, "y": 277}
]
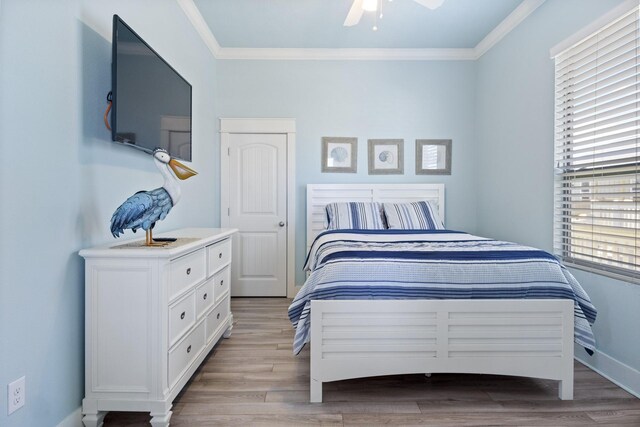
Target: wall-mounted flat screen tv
[{"x": 151, "y": 102}]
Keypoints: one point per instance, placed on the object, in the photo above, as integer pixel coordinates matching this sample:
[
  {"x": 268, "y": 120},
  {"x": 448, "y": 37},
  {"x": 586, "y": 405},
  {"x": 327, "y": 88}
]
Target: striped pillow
[
  {"x": 355, "y": 216},
  {"x": 413, "y": 216}
]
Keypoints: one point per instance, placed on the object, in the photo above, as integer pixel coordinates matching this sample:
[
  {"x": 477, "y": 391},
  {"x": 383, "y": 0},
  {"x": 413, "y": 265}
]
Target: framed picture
[
  {"x": 386, "y": 156},
  {"x": 433, "y": 157},
  {"x": 339, "y": 154}
]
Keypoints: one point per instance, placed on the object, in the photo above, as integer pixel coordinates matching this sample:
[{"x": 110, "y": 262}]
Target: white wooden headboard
[{"x": 320, "y": 195}]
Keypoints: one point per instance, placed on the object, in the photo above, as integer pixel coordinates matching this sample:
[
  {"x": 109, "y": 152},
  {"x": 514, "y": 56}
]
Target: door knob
[{"x": 281, "y": 224}]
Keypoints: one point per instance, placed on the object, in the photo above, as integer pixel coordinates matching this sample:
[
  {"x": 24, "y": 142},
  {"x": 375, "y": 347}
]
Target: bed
[{"x": 356, "y": 328}]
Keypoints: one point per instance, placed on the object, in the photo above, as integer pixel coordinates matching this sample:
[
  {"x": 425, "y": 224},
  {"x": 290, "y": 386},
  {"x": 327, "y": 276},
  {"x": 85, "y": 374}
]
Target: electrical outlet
[{"x": 16, "y": 396}]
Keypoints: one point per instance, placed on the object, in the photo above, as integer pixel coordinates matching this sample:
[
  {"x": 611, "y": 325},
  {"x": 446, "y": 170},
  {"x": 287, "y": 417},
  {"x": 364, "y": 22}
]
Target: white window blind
[{"x": 597, "y": 190}]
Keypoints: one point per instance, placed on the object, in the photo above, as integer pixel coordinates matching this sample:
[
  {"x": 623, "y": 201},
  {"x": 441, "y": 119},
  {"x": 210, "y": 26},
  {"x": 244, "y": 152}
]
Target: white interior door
[{"x": 258, "y": 209}]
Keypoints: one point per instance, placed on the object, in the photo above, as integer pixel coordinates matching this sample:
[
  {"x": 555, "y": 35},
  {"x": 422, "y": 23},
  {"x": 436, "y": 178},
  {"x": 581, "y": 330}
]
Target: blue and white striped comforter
[{"x": 436, "y": 264}]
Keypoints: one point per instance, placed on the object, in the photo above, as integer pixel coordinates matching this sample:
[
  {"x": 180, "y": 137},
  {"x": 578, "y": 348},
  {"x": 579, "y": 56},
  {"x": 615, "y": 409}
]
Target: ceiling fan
[{"x": 360, "y": 6}]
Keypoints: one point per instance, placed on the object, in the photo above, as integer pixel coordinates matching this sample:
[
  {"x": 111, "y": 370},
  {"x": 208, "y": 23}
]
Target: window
[{"x": 597, "y": 189}]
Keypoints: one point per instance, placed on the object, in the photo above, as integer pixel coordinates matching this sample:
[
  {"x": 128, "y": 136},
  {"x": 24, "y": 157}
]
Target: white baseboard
[
  {"x": 615, "y": 371},
  {"x": 74, "y": 419}
]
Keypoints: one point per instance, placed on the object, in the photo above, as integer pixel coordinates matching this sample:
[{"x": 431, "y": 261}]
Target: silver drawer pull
[
  {"x": 182, "y": 315},
  {"x": 218, "y": 316},
  {"x": 204, "y": 296},
  {"x": 220, "y": 255},
  {"x": 188, "y": 271},
  {"x": 189, "y": 349}
]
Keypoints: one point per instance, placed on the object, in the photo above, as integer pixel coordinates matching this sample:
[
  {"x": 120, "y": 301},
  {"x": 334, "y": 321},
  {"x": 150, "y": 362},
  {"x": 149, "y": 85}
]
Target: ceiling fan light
[{"x": 370, "y": 5}]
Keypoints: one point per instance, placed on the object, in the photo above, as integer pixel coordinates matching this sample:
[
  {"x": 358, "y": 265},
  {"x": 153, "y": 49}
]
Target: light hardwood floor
[{"x": 254, "y": 379}]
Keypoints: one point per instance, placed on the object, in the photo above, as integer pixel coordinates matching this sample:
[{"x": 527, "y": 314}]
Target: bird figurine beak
[{"x": 182, "y": 172}]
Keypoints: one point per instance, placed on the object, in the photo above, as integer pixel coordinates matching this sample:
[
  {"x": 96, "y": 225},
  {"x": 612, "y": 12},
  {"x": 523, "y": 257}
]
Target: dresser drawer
[
  {"x": 221, "y": 282},
  {"x": 182, "y": 316},
  {"x": 205, "y": 297},
  {"x": 219, "y": 255},
  {"x": 181, "y": 357},
  {"x": 217, "y": 317},
  {"x": 186, "y": 271}
]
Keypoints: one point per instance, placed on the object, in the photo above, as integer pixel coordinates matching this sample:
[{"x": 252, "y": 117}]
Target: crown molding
[
  {"x": 587, "y": 31},
  {"x": 518, "y": 15},
  {"x": 355, "y": 54},
  {"x": 507, "y": 25},
  {"x": 193, "y": 13}
]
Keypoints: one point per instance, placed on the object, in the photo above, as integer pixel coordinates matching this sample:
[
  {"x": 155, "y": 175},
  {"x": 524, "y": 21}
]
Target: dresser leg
[
  {"x": 94, "y": 420},
  {"x": 227, "y": 333},
  {"x": 161, "y": 420}
]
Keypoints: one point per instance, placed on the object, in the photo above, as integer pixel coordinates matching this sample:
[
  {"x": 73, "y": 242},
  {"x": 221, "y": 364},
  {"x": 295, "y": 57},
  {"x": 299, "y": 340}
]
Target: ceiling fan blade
[
  {"x": 355, "y": 13},
  {"x": 431, "y": 4}
]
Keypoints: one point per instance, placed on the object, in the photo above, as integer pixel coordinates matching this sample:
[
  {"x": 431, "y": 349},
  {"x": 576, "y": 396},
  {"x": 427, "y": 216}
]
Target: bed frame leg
[
  {"x": 316, "y": 391},
  {"x": 566, "y": 389}
]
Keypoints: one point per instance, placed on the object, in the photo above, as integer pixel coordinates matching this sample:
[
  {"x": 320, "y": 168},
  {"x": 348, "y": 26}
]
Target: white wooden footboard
[{"x": 363, "y": 338}]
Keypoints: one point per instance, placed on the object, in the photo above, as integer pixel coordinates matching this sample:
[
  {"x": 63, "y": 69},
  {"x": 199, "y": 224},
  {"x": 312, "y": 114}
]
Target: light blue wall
[
  {"x": 61, "y": 177},
  {"x": 407, "y": 100},
  {"x": 515, "y": 177}
]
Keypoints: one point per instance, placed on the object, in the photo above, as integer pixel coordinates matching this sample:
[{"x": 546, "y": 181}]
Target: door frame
[{"x": 284, "y": 126}]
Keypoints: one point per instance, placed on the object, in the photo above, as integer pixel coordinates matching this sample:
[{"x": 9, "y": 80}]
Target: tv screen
[{"x": 151, "y": 104}]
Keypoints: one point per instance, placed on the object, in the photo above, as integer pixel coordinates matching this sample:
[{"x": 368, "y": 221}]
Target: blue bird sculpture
[{"x": 145, "y": 208}]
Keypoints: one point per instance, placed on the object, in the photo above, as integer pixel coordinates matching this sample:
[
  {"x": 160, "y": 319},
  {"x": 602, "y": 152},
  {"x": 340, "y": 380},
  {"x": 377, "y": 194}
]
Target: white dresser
[{"x": 151, "y": 317}]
